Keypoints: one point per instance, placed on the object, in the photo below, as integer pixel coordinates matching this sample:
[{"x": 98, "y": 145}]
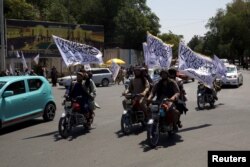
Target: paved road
[{"x": 226, "y": 127}]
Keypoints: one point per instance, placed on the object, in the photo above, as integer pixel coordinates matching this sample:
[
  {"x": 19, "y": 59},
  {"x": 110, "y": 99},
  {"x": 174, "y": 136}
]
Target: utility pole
[{"x": 2, "y": 53}]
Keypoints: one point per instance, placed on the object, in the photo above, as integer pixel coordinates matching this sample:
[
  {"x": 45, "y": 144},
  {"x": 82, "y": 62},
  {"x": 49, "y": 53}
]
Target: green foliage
[
  {"x": 126, "y": 22},
  {"x": 229, "y": 32},
  {"x": 172, "y": 39},
  {"x": 132, "y": 22},
  {"x": 20, "y": 9}
]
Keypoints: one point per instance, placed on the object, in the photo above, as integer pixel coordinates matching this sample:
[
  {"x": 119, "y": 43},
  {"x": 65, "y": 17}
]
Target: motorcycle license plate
[
  {"x": 154, "y": 108},
  {"x": 68, "y": 104}
]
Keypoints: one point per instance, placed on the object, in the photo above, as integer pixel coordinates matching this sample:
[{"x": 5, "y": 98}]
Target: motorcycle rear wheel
[
  {"x": 153, "y": 134},
  {"x": 64, "y": 127}
]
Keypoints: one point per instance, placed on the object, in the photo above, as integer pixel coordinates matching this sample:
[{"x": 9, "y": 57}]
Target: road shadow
[
  {"x": 164, "y": 142},
  {"x": 229, "y": 87},
  {"x": 75, "y": 133},
  {"x": 207, "y": 107},
  {"x": 21, "y": 126},
  {"x": 136, "y": 130},
  {"x": 168, "y": 141},
  {"x": 194, "y": 128}
]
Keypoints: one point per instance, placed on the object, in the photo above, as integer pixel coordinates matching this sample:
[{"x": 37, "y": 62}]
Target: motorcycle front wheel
[
  {"x": 64, "y": 127},
  {"x": 200, "y": 102},
  {"x": 126, "y": 124},
  {"x": 153, "y": 134}
]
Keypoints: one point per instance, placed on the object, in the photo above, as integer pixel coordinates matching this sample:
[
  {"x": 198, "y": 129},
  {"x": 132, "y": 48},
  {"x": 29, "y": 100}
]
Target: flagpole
[{"x": 2, "y": 53}]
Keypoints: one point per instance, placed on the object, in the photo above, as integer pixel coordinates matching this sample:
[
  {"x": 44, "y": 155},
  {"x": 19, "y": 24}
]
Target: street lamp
[{"x": 2, "y": 53}]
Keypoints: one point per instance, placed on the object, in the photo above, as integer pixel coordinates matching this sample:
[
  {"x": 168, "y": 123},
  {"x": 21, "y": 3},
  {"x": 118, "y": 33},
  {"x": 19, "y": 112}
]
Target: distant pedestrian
[{"x": 54, "y": 76}]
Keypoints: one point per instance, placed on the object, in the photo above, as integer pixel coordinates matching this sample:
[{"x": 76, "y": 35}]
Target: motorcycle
[
  {"x": 204, "y": 95},
  {"x": 161, "y": 122},
  {"x": 73, "y": 117},
  {"x": 132, "y": 113}
]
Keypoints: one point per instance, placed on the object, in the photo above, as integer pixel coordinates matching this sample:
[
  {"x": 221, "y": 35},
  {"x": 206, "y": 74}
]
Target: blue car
[{"x": 25, "y": 97}]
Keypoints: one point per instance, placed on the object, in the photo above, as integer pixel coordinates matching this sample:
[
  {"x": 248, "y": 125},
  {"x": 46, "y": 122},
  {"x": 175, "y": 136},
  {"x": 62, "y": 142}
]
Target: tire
[
  {"x": 238, "y": 83},
  {"x": 211, "y": 104},
  {"x": 105, "y": 82},
  {"x": 199, "y": 104},
  {"x": 63, "y": 127},
  {"x": 153, "y": 134},
  {"x": 126, "y": 124},
  {"x": 49, "y": 112}
]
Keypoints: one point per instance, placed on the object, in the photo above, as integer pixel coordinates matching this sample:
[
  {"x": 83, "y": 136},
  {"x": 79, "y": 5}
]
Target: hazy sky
[{"x": 185, "y": 17}]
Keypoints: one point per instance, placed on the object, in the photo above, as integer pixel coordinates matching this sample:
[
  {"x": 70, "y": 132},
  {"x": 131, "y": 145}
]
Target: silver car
[
  {"x": 101, "y": 76},
  {"x": 233, "y": 76}
]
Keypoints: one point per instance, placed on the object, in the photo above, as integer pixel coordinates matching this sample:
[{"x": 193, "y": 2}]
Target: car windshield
[
  {"x": 2, "y": 84},
  {"x": 231, "y": 69}
]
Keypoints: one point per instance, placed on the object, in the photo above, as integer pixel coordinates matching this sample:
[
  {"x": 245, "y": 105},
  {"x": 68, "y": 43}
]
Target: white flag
[
  {"x": 36, "y": 59},
  {"x": 74, "y": 53},
  {"x": 145, "y": 51},
  {"x": 219, "y": 67},
  {"x": 196, "y": 65},
  {"x": 87, "y": 67},
  {"x": 24, "y": 62},
  {"x": 17, "y": 54},
  {"x": 160, "y": 53},
  {"x": 115, "y": 68}
]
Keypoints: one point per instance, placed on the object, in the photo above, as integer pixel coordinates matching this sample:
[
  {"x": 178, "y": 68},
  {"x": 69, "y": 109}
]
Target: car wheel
[
  {"x": 105, "y": 82},
  {"x": 238, "y": 83},
  {"x": 49, "y": 112}
]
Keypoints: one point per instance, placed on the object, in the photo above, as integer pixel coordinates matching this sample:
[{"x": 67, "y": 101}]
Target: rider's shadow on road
[
  {"x": 77, "y": 132},
  {"x": 164, "y": 142},
  {"x": 136, "y": 130},
  {"x": 168, "y": 141}
]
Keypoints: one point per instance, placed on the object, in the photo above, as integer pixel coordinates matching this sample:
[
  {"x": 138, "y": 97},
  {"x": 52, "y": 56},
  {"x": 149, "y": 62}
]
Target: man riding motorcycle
[
  {"x": 79, "y": 88},
  {"x": 166, "y": 88},
  {"x": 138, "y": 85}
]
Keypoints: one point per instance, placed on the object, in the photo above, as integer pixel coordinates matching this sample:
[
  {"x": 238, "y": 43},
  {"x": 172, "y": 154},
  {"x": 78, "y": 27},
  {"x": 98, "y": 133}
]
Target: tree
[
  {"x": 132, "y": 22},
  {"x": 229, "y": 32},
  {"x": 20, "y": 9},
  {"x": 172, "y": 39},
  {"x": 125, "y": 22}
]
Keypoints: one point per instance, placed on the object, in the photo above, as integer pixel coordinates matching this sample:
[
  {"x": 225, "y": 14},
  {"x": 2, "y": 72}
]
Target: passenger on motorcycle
[
  {"x": 166, "y": 88},
  {"x": 138, "y": 85},
  {"x": 180, "y": 104},
  {"x": 91, "y": 90},
  {"x": 79, "y": 88},
  {"x": 149, "y": 79}
]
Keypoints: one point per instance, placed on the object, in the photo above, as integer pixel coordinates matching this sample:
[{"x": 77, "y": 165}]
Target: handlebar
[
  {"x": 132, "y": 95},
  {"x": 157, "y": 102}
]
